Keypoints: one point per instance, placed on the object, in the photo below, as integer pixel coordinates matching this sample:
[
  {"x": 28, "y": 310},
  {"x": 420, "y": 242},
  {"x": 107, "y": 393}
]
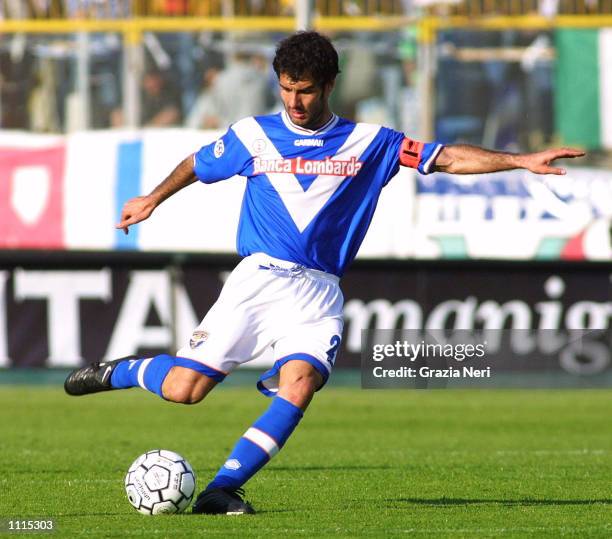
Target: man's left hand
[{"x": 540, "y": 162}]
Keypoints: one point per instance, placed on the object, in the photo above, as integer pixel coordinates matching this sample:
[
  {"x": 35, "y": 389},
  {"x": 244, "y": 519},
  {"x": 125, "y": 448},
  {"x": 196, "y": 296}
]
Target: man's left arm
[{"x": 467, "y": 159}]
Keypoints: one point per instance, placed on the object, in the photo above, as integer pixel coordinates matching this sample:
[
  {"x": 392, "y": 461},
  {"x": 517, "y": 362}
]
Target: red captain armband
[{"x": 410, "y": 153}]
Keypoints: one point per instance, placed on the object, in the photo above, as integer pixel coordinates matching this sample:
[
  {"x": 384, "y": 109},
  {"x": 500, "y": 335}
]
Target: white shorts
[{"x": 267, "y": 303}]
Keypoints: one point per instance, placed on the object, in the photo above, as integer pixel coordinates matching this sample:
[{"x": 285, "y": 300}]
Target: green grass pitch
[{"x": 446, "y": 463}]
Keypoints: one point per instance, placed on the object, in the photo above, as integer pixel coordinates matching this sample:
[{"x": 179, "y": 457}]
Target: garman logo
[
  {"x": 317, "y": 142},
  {"x": 298, "y": 165}
]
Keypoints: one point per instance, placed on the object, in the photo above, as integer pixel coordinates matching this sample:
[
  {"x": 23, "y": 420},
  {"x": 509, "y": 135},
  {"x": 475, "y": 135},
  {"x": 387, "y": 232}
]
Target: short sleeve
[
  {"x": 431, "y": 150},
  {"x": 222, "y": 159},
  {"x": 419, "y": 155}
]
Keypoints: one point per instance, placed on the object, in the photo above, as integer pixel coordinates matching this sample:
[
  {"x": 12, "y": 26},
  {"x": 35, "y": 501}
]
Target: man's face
[{"x": 305, "y": 101}]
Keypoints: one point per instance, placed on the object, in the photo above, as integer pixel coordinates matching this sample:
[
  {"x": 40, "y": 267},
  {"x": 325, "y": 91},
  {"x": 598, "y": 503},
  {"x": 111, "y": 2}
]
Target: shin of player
[{"x": 298, "y": 382}]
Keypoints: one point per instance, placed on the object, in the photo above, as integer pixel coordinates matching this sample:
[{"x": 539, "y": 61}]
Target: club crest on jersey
[
  {"x": 299, "y": 165},
  {"x": 259, "y": 146},
  {"x": 219, "y": 148},
  {"x": 197, "y": 338}
]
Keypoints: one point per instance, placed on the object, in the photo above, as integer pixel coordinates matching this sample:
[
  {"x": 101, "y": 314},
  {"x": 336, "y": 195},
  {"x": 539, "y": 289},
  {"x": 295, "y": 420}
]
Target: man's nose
[{"x": 294, "y": 100}]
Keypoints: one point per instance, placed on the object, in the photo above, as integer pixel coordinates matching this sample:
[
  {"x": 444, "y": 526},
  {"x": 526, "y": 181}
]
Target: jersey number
[{"x": 333, "y": 351}]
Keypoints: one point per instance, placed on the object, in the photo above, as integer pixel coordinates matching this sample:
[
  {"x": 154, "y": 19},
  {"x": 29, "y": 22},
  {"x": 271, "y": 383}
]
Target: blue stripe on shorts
[{"x": 201, "y": 368}]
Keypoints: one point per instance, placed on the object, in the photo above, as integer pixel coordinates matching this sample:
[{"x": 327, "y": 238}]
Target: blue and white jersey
[{"x": 310, "y": 195}]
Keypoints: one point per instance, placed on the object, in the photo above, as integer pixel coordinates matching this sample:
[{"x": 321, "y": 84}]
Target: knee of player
[
  {"x": 186, "y": 386},
  {"x": 303, "y": 385},
  {"x": 183, "y": 393}
]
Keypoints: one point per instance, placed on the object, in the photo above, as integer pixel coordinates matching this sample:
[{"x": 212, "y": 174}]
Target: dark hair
[{"x": 307, "y": 54}]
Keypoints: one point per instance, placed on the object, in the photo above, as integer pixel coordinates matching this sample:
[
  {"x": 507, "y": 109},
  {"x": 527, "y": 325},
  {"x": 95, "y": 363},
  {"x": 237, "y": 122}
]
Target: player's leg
[
  {"x": 305, "y": 321},
  {"x": 299, "y": 380},
  {"x": 173, "y": 378},
  {"x": 186, "y": 386},
  {"x": 187, "y": 377}
]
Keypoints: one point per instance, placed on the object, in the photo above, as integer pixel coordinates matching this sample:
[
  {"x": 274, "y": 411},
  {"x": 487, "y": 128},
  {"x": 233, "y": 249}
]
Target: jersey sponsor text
[{"x": 298, "y": 165}]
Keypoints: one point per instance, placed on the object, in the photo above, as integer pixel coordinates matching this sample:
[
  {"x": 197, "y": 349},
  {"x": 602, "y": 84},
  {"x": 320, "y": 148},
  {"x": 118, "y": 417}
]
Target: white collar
[{"x": 308, "y": 132}]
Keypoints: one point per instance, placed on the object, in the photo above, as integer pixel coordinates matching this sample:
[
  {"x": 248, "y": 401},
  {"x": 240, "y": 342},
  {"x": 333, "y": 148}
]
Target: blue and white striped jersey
[{"x": 310, "y": 195}]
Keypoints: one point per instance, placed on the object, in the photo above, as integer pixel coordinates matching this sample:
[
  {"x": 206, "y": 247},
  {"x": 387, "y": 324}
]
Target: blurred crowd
[
  {"x": 208, "y": 81},
  {"x": 105, "y": 9},
  {"x": 201, "y": 81},
  {"x": 57, "y": 9}
]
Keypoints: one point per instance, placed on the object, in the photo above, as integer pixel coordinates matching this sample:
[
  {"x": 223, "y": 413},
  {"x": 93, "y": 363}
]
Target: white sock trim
[
  {"x": 141, "y": 373},
  {"x": 263, "y": 440}
]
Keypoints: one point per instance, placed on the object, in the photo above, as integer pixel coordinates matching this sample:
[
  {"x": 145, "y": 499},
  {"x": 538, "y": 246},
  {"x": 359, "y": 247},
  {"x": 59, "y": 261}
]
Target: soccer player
[{"x": 313, "y": 183}]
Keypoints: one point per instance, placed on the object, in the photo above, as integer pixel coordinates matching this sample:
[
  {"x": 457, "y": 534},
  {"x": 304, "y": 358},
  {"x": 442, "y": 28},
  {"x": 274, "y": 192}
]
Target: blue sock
[
  {"x": 259, "y": 444},
  {"x": 150, "y": 373}
]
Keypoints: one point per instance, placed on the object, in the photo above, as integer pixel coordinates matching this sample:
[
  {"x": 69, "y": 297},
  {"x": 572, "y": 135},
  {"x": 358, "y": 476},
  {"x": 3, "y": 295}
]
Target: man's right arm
[{"x": 140, "y": 208}]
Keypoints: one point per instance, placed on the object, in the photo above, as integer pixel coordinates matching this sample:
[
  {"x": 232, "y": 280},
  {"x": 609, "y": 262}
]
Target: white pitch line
[{"x": 548, "y": 452}]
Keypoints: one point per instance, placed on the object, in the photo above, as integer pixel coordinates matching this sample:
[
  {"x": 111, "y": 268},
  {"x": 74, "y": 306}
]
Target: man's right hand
[
  {"x": 140, "y": 208},
  {"x": 136, "y": 210}
]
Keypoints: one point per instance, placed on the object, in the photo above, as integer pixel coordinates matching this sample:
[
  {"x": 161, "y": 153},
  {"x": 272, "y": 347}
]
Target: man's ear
[{"x": 329, "y": 87}]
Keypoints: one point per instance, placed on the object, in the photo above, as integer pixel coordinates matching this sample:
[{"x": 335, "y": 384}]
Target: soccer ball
[{"x": 160, "y": 481}]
